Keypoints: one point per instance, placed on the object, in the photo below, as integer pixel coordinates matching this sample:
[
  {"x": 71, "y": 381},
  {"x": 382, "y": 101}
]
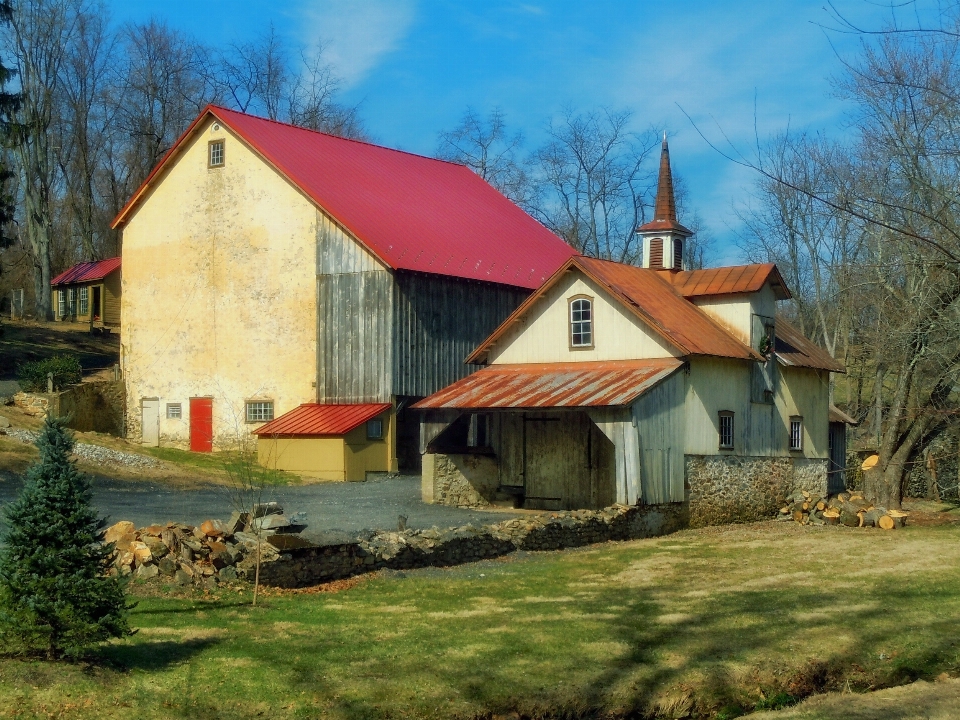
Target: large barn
[
  {"x": 268, "y": 267},
  {"x": 652, "y": 385}
]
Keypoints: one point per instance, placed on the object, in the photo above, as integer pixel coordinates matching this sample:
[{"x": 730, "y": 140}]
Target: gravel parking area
[{"x": 347, "y": 507}]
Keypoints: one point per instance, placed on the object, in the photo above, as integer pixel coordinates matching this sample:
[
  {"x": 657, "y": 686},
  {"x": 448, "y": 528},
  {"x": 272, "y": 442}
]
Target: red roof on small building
[
  {"x": 553, "y": 385},
  {"x": 412, "y": 212},
  {"x": 731, "y": 280},
  {"x": 314, "y": 419},
  {"x": 86, "y": 272}
]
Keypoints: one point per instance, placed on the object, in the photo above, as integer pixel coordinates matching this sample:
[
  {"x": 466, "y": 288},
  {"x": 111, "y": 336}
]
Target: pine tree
[{"x": 55, "y": 595}]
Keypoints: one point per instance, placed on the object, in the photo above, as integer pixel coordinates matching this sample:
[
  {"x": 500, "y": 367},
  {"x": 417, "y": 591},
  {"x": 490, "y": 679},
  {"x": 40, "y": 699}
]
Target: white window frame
[
  {"x": 61, "y": 303},
  {"x": 258, "y": 411},
  {"x": 216, "y": 154},
  {"x": 174, "y": 411},
  {"x": 726, "y": 429},
  {"x": 72, "y": 301},
  {"x": 581, "y": 322},
  {"x": 84, "y": 301},
  {"x": 796, "y": 433}
]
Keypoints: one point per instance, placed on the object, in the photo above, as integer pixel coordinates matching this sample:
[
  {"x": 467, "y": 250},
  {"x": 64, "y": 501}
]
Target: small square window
[
  {"x": 375, "y": 429},
  {"x": 216, "y": 153},
  {"x": 174, "y": 411},
  {"x": 796, "y": 433},
  {"x": 260, "y": 411},
  {"x": 726, "y": 430}
]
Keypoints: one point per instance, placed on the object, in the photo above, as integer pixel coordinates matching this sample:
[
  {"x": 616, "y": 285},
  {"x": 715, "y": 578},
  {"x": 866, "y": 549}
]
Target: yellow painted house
[
  {"x": 648, "y": 385},
  {"x": 88, "y": 292},
  {"x": 266, "y": 267}
]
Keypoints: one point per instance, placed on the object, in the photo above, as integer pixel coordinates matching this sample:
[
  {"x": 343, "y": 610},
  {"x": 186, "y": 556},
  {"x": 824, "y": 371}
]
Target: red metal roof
[
  {"x": 649, "y": 296},
  {"x": 728, "y": 280},
  {"x": 551, "y": 385},
  {"x": 795, "y": 350},
  {"x": 412, "y": 212},
  {"x": 86, "y": 272},
  {"x": 313, "y": 419}
]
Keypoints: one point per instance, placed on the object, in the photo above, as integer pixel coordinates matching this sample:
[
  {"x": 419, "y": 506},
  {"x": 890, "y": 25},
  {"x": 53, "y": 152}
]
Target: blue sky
[{"x": 735, "y": 66}]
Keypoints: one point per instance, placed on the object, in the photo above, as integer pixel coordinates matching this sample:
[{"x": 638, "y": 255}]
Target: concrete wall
[
  {"x": 219, "y": 291},
  {"x": 91, "y": 406},
  {"x": 727, "y": 489},
  {"x": 544, "y": 333}
]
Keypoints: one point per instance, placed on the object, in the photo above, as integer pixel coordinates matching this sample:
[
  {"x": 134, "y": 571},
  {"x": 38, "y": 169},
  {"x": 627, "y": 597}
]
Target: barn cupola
[{"x": 663, "y": 237}]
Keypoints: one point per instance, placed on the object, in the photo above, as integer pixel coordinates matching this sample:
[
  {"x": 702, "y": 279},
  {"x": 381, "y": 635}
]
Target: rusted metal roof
[
  {"x": 314, "y": 419},
  {"x": 553, "y": 385},
  {"x": 838, "y": 415},
  {"x": 412, "y": 212},
  {"x": 794, "y": 350},
  {"x": 86, "y": 272},
  {"x": 728, "y": 280},
  {"x": 648, "y": 295}
]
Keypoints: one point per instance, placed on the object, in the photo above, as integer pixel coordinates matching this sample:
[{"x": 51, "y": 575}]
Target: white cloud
[{"x": 356, "y": 34}]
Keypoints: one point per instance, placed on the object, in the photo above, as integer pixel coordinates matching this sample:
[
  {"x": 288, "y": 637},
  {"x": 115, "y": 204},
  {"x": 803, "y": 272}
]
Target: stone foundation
[
  {"x": 91, "y": 406},
  {"x": 459, "y": 480},
  {"x": 729, "y": 489},
  {"x": 306, "y": 566}
]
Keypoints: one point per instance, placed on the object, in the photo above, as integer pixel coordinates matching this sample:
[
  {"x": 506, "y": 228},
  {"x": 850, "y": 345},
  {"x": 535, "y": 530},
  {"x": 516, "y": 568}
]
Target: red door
[{"x": 201, "y": 424}]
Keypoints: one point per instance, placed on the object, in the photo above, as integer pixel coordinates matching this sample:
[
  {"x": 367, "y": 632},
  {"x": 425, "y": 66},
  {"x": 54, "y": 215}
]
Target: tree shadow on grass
[
  {"x": 153, "y": 655},
  {"x": 204, "y": 605}
]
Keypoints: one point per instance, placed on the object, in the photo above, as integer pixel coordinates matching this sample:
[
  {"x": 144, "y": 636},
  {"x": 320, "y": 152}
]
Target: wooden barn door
[
  {"x": 201, "y": 424},
  {"x": 557, "y": 461},
  {"x": 150, "y": 422}
]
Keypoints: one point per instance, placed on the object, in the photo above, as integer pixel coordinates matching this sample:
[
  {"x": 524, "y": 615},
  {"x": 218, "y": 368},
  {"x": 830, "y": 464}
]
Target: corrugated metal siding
[
  {"x": 438, "y": 321},
  {"x": 354, "y": 337},
  {"x": 659, "y": 416}
]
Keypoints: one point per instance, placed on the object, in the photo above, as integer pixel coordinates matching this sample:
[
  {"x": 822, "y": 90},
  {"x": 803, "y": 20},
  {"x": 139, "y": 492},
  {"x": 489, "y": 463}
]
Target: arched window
[
  {"x": 656, "y": 253},
  {"x": 581, "y": 322}
]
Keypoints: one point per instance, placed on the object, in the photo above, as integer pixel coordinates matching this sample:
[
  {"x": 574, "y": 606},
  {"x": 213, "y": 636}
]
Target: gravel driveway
[{"x": 348, "y": 507}]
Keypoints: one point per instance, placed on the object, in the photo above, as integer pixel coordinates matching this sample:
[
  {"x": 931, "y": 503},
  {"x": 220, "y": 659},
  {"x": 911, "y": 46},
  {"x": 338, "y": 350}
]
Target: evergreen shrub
[{"x": 66, "y": 370}]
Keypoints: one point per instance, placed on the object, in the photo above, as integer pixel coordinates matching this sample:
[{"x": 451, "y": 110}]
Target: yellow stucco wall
[
  {"x": 219, "y": 291},
  {"x": 543, "y": 335},
  {"x": 322, "y": 458}
]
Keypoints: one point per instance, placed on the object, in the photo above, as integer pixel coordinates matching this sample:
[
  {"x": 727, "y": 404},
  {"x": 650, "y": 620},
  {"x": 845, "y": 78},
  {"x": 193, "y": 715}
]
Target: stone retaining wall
[
  {"x": 729, "y": 489},
  {"x": 92, "y": 406},
  {"x": 459, "y": 480},
  {"x": 408, "y": 549}
]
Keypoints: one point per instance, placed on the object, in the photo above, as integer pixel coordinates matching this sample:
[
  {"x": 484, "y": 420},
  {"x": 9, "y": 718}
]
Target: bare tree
[
  {"x": 485, "y": 146},
  {"x": 312, "y": 99},
  {"x": 594, "y": 184},
  {"x": 40, "y": 32},
  {"x": 255, "y": 74}
]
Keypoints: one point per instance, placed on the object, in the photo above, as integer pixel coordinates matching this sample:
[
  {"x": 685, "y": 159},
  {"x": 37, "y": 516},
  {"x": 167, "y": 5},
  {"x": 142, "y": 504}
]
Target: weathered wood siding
[
  {"x": 544, "y": 333},
  {"x": 438, "y": 321},
  {"x": 354, "y": 360},
  {"x": 338, "y": 253},
  {"x": 760, "y": 429},
  {"x": 658, "y": 416}
]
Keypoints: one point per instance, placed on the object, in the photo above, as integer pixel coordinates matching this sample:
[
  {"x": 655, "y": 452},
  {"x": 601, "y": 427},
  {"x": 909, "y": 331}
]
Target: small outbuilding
[
  {"x": 89, "y": 292},
  {"x": 329, "y": 442}
]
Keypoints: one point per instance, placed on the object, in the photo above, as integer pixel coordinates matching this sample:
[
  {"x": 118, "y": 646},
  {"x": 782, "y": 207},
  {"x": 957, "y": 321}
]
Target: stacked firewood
[{"x": 846, "y": 508}]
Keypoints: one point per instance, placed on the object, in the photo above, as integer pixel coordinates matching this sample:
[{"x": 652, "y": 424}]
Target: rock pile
[
  {"x": 93, "y": 453},
  {"x": 207, "y": 554},
  {"x": 849, "y": 509}
]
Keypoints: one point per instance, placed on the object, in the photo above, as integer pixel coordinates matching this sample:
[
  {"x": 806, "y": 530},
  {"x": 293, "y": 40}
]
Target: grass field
[
  {"x": 24, "y": 341},
  {"x": 712, "y": 622}
]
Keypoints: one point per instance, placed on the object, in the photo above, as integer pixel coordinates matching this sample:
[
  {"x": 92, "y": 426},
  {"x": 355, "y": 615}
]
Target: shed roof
[
  {"x": 795, "y": 350},
  {"x": 86, "y": 272},
  {"x": 649, "y": 296},
  {"x": 728, "y": 280},
  {"x": 553, "y": 385},
  {"x": 314, "y": 419},
  {"x": 412, "y": 212}
]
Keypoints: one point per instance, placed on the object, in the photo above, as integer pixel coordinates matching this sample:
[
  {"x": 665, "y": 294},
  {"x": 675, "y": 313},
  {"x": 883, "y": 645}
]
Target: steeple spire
[{"x": 664, "y": 235}]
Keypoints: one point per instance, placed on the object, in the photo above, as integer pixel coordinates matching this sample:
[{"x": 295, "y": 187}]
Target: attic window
[
  {"x": 581, "y": 322},
  {"x": 215, "y": 155}
]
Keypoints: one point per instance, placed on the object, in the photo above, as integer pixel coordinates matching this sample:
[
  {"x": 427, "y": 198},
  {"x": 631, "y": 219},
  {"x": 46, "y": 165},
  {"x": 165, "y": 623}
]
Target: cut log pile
[{"x": 847, "y": 508}]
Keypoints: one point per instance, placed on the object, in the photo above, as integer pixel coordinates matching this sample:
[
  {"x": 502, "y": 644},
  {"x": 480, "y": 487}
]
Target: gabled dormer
[{"x": 664, "y": 237}]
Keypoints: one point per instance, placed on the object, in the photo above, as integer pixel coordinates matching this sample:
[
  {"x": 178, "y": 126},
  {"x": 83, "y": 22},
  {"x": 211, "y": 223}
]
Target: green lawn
[{"x": 716, "y": 621}]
